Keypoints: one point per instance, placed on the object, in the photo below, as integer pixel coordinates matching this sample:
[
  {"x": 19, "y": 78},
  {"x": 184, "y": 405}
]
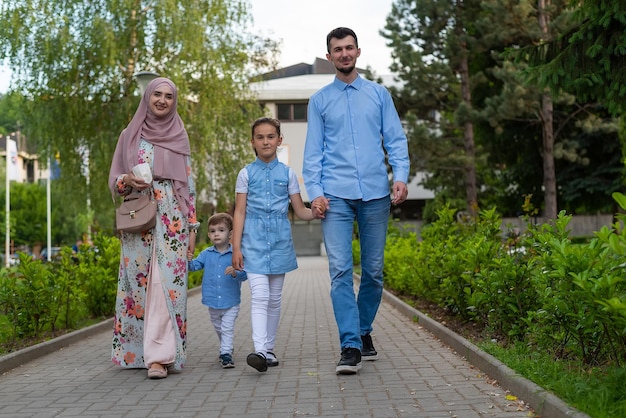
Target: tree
[
  {"x": 525, "y": 23},
  {"x": 587, "y": 59},
  {"x": 432, "y": 43},
  {"x": 74, "y": 62},
  {"x": 546, "y": 114},
  {"x": 9, "y": 113},
  {"x": 590, "y": 165},
  {"x": 585, "y": 152},
  {"x": 519, "y": 128},
  {"x": 28, "y": 213}
]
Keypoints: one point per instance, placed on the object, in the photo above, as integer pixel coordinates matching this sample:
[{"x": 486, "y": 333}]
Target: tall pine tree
[{"x": 433, "y": 43}]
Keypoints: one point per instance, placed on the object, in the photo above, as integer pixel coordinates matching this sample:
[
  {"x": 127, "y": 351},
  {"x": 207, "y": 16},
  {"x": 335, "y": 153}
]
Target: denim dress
[{"x": 266, "y": 243}]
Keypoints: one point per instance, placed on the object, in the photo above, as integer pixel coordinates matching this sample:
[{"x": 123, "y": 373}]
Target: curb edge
[
  {"x": 19, "y": 358},
  {"x": 542, "y": 401}
]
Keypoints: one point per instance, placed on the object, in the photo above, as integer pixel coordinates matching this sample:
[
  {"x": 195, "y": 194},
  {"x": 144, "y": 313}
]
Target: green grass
[
  {"x": 600, "y": 392},
  {"x": 9, "y": 345},
  {"x": 5, "y": 332}
]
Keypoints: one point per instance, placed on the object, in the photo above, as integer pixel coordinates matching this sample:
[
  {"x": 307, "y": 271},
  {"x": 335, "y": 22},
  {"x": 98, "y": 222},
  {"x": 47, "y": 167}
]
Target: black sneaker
[
  {"x": 271, "y": 359},
  {"x": 368, "y": 352},
  {"x": 226, "y": 361},
  {"x": 257, "y": 361},
  {"x": 350, "y": 362}
]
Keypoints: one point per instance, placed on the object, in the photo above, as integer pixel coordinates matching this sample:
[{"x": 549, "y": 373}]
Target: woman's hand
[
  {"x": 135, "y": 182},
  {"x": 191, "y": 248}
]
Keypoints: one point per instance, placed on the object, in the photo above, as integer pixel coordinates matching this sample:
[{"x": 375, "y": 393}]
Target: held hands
[
  {"x": 237, "y": 259},
  {"x": 191, "y": 248},
  {"x": 400, "y": 192},
  {"x": 230, "y": 270},
  {"x": 319, "y": 206}
]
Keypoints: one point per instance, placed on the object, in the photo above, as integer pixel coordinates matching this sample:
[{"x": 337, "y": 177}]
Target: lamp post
[
  {"x": 144, "y": 78},
  {"x": 7, "y": 204}
]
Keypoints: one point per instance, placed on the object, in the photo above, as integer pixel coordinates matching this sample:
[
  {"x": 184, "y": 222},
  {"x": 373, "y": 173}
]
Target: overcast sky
[{"x": 303, "y": 25}]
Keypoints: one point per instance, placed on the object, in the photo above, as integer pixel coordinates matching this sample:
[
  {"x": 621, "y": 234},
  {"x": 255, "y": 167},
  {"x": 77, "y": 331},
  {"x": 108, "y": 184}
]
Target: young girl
[{"x": 262, "y": 235}]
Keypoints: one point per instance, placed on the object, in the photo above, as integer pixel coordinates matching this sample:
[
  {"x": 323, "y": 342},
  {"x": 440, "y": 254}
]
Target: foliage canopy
[
  {"x": 73, "y": 61},
  {"x": 587, "y": 60}
]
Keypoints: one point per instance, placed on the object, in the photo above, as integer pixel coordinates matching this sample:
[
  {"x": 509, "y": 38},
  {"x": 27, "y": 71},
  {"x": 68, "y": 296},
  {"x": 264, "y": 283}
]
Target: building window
[{"x": 294, "y": 112}]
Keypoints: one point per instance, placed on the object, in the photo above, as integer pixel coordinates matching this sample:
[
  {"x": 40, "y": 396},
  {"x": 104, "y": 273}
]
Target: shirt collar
[
  {"x": 357, "y": 83},
  {"x": 265, "y": 165},
  {"x": 229, "y": 250}
]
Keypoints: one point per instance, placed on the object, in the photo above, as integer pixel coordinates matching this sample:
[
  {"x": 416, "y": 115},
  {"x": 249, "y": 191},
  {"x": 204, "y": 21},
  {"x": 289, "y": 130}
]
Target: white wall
[{"x": 294, "y": 135}]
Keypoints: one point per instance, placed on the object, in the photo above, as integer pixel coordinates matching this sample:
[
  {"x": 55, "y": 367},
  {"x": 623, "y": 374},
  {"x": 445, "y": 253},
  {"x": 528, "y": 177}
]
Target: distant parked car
[
  {"x": 14, "y": 260},
  {"x": 54, "y": 253}
]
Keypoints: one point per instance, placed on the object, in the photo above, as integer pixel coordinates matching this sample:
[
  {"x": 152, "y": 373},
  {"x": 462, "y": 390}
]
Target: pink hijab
[{"x": 169, "y": 138}]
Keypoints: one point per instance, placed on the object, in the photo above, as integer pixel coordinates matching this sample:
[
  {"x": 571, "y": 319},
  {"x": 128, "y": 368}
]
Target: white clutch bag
[{"x": 143, "y": 171}]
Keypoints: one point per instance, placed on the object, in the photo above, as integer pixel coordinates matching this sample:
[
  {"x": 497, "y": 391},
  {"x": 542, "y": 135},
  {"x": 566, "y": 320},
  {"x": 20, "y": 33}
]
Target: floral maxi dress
[{"x": 164, "y": 248}]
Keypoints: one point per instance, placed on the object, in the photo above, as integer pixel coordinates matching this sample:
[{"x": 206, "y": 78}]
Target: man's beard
[{"x": 345, "y": 70}]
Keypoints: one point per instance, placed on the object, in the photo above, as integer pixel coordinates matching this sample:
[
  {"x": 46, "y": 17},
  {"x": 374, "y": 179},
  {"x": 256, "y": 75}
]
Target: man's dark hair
[{"x": 340, "y": 33}]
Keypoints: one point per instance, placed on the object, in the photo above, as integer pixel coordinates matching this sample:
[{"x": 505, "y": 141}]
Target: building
[{"x": 23, "y": 165}]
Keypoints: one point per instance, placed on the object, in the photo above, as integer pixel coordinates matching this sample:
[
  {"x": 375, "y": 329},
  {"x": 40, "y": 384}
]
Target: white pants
[
  {"x": 223, "y": 321},
  {"x": 266, "y": 292}
]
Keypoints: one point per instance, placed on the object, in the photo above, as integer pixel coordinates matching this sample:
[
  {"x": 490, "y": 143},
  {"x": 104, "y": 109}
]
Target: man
[{"x": 351, "y": 123}]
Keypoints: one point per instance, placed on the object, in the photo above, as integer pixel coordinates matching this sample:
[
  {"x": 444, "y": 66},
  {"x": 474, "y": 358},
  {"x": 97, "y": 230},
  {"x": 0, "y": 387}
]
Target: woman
[{"x": 151, "y": 308}]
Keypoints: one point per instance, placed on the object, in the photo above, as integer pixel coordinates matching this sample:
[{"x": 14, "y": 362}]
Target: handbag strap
[{"x": 117, "y": 203}]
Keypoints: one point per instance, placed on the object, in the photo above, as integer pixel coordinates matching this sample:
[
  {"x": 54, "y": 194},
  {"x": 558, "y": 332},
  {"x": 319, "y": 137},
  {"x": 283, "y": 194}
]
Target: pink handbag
[{"x": 136, "y": 214}]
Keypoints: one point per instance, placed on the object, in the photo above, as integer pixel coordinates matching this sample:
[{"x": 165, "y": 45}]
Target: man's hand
[{"x": 400, "y": 192}]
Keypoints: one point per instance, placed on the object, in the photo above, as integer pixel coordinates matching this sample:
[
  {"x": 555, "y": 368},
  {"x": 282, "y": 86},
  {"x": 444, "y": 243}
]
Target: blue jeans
[{"x": 355, "y": 314}]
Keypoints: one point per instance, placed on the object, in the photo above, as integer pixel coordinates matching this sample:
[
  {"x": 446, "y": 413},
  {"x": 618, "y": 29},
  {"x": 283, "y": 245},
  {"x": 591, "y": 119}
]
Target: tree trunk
[
  {"x": 549, "y": 172},
  {"x": 547, "y": 124},
  {"x": 471, "y": 195}
]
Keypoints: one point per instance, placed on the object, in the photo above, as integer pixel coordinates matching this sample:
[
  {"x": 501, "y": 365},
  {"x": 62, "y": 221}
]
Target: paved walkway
[{"x": 416, "y": 374}]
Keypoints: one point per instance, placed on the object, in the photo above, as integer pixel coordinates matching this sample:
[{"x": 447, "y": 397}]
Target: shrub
[
  {"x": 29, "y": 296},
  {"x": 64, "y": 293},
  {"x": 561, "y": 297},
  {"x": 97, "y": 268}
]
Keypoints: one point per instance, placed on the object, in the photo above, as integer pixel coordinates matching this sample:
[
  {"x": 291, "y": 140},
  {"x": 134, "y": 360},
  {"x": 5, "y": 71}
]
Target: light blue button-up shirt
[
  {"x": 349, "y": 128},
  {"x": 219, "y": 290}
]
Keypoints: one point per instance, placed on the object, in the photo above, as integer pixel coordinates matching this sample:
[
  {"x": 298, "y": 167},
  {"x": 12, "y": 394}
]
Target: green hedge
[
  {"x": 38, "y": 297},
  {"x": 539, "y": 287},
  {"x": 67, "y": 293}
]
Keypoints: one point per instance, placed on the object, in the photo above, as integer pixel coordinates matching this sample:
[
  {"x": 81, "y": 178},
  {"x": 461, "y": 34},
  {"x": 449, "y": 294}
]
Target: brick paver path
[{"x": 416, "y": 375}]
